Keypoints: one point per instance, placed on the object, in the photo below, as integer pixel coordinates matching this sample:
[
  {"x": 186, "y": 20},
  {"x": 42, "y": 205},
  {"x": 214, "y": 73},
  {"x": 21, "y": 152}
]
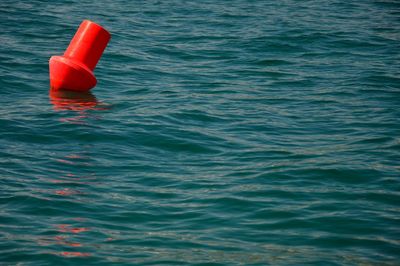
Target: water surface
[{"x": 220, "y": 133}]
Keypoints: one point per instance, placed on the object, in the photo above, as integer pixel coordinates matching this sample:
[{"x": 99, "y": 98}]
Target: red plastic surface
[{"x": 74, "y": 70}]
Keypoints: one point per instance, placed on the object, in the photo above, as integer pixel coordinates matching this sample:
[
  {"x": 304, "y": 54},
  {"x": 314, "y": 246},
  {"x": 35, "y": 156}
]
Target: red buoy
[{"x": 74, "y": 70}]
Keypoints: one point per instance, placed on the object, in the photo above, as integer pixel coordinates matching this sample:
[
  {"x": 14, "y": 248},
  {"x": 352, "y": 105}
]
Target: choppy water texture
[{"x": 220, "y": 133}]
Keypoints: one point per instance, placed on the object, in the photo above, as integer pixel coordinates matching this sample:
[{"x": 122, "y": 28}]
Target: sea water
[{"x": 219, "y": 133}]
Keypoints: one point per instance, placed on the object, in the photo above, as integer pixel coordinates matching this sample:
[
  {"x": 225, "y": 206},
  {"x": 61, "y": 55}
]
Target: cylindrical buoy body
[
  {"x": 88, "y": 44},
  {"x": 74, "y": 70}
]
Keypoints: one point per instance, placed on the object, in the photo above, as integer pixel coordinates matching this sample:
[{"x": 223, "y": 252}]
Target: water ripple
[{"x": 222, "y": 133}]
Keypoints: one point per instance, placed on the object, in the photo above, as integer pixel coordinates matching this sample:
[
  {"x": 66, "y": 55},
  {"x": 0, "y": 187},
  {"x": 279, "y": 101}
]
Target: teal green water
[{"x": 220, "y": 133}]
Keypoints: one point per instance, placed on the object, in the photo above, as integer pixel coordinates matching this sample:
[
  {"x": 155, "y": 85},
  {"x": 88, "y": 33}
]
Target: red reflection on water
[
  {"x": 75, "y": 101},
  {"x": 61, "y": 240},
  {"x": 64, "y": 161},
  {"x": 79, "y": 230},
  {"x": 72, "y": 162},
  {"x": 65, "y": 228},
  {"x": 75, "y": 156},
  {"x": 74, "y": 254},
  {"x": 66, "y": 192}
]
